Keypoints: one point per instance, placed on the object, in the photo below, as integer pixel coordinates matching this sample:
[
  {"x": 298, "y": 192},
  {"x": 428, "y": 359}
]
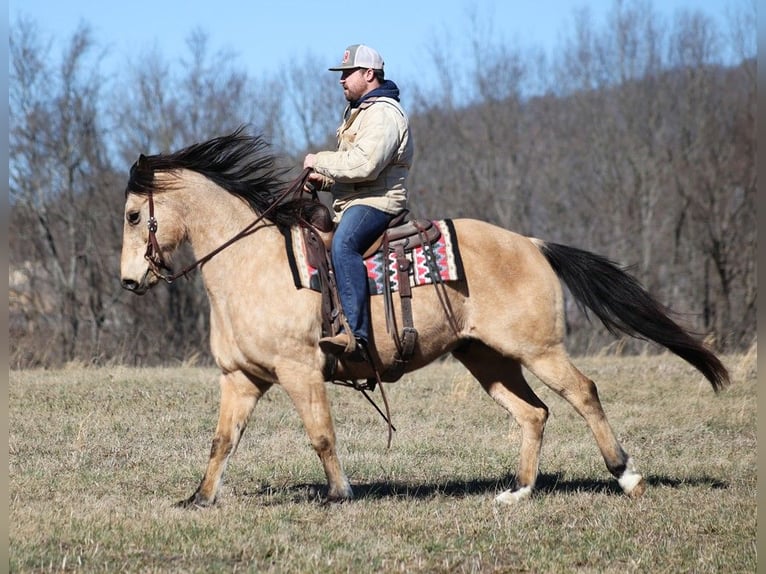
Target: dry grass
[{"x": 98, "y": 457}]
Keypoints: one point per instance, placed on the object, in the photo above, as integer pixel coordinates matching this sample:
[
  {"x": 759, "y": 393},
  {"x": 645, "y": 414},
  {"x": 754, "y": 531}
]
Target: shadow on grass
[
  {"x": 546, "y": 484},
  {"x": 551, "y": 483}
]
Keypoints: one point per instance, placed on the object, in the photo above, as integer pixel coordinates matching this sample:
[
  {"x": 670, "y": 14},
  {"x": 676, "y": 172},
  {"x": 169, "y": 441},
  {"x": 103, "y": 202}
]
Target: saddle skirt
[{"x": 382, "y": 266}]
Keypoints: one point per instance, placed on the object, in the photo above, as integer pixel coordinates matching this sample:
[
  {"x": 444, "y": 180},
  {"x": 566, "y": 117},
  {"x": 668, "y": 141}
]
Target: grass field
[{"x": 99, "y": 456}]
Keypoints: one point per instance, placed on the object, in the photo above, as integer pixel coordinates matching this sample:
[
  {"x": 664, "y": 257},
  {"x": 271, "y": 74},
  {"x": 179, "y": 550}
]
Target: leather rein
[{"x": 153, "y": 254}]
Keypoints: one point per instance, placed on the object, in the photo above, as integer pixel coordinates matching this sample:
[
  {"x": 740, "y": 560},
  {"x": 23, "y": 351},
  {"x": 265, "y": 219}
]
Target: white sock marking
[
  {"x": 630, "y": 478},
  {"x": 512, "y": 497}
]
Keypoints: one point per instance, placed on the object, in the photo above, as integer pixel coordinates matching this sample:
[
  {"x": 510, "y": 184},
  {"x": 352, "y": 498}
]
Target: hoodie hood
[{"x": 387, "y": 89}]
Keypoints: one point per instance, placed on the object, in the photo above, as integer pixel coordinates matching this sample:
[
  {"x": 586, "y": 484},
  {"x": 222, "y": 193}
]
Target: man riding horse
[{"x": 367, "y": 177}]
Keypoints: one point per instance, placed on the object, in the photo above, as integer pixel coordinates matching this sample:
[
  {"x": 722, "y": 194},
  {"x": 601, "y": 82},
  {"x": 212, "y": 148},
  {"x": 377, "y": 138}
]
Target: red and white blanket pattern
[{"x": 445, "y": 253}]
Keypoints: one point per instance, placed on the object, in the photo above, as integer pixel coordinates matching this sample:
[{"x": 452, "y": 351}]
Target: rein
[{"x": 154, "y": 256}]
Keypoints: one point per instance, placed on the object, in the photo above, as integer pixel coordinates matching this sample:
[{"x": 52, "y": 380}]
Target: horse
[{"x": 507, "y": 309}]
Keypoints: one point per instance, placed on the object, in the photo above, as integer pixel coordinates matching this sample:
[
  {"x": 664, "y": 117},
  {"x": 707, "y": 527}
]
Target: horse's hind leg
[
  {"x": 556, "y": 370},
  {"x": 239, "y": 395},
  {"x": 504, "y": 381}
]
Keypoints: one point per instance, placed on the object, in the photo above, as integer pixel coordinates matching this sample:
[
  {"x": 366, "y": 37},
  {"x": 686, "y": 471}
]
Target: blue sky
[{"x": 265, "y": 36}]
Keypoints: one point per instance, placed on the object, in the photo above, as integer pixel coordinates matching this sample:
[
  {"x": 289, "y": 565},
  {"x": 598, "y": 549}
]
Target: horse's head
[
  {"x": 157, "y": 206},
  {"x": 152, "y": 228}
]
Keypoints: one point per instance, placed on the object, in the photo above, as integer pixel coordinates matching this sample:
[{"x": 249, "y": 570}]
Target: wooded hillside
[{"x": 637, "y": 141}]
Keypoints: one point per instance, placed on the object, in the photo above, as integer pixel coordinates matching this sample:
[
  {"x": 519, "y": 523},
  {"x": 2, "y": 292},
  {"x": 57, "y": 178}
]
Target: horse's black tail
[{"x": 622, "y": 304}]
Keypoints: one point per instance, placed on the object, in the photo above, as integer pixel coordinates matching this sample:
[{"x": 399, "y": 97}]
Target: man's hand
[{"x": 316, "y": 181}]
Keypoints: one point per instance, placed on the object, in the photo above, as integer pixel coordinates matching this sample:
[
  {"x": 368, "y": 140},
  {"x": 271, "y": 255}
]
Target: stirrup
[
  {"x": 357, "y": 384},
  {"x": 359, "y": 354}
]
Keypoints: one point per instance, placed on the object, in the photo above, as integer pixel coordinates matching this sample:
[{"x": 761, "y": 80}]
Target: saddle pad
[{"x": 445, "y": 252}]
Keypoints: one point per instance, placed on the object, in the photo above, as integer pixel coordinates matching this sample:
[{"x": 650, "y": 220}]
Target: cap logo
[{"x": 346, "y": 57}]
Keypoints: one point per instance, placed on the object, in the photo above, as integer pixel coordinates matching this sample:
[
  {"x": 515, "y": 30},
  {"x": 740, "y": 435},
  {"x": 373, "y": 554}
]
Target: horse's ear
[
  {"x": 138, "y": 172},
  {"x": 140, "y": 165}
]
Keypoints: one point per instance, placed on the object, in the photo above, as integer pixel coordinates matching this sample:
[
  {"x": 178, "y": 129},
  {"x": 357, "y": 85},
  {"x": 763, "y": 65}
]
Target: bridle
[
  {"x": 160, "y": 267},
  {"x": 153, "y": 252}
]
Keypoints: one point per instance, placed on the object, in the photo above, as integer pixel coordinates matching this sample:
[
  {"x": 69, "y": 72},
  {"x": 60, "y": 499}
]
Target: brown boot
[{"x": 339, "y": 344}]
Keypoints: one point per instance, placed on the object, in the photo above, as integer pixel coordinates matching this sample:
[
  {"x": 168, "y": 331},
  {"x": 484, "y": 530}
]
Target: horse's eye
[{"x": 133, "y": 217}]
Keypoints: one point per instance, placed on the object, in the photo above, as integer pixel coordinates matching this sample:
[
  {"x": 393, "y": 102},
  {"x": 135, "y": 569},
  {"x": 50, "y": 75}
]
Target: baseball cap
[{"x": 359, "y": 56}]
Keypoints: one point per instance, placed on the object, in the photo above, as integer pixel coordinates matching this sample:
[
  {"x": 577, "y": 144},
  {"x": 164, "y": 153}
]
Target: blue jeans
[{"x": 357, "y": 230}]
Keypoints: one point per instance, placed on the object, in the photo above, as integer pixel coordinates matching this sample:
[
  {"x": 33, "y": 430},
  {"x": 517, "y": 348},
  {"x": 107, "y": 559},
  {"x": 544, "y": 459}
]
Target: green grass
[{"x": 99, "y": 456}]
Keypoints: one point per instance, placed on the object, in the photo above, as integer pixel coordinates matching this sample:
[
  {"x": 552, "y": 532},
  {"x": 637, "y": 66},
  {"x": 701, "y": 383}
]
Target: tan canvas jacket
[{"x": 374, "y": 155}]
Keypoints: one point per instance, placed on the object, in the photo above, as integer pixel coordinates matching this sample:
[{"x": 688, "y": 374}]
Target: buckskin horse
[{"x": 507, "y": 309}]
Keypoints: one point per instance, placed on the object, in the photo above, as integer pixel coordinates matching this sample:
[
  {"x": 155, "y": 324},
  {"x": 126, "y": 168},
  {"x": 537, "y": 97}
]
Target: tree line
[{"x": 635, "y": 140}]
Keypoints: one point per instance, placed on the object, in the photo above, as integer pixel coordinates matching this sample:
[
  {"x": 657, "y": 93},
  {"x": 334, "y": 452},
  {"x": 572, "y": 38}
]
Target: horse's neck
[
  {"x": 239, "y": 278},
  {"x": 212, "y": 215}
]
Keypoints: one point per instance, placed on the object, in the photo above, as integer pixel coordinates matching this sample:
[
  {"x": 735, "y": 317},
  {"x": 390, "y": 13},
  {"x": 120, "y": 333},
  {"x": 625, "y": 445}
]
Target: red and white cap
[{"x": 359, "y": 56}]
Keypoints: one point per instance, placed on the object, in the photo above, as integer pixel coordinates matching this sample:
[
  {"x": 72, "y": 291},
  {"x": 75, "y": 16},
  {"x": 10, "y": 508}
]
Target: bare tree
[
  {"x": 713, "y": 161},
  {"x": 474, "y": 144},
  {"x": 315, "y": 108},
  {"x": 58, "y": 164}
]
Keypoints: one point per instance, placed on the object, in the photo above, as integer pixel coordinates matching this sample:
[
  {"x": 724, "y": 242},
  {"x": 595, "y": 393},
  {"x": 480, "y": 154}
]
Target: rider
[{"x": 367, "y": 176}]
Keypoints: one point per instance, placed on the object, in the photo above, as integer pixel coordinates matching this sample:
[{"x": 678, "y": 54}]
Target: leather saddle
[
  {"x": 410, "y": 233},
  {"x": 401, "y": 236}
]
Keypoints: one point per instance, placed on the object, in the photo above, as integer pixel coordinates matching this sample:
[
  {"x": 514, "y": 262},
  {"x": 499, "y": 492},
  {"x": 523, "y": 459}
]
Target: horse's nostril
[{"x": 129, "y": 284}]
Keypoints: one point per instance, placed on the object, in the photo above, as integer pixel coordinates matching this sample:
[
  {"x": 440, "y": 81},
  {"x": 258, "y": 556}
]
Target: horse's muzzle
[{"x": 134, "y": 286}]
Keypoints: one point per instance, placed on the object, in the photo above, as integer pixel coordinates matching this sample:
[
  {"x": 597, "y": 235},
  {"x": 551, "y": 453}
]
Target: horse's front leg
[
  {"x": 306, "y": 389},
  {"x": 239, "y": 395}
]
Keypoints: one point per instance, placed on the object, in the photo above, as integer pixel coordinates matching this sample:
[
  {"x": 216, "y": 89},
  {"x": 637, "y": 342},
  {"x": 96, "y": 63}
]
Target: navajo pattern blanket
[{"x": 445, "y": 253}]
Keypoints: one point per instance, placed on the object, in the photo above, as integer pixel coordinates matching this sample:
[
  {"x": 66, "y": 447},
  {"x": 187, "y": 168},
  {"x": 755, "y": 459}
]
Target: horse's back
[{"x": 487, "y": 250}]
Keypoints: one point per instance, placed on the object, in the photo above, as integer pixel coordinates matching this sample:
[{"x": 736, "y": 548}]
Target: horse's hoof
[
  {"x": 513, "y": 496},
  {"x": 341, "y": 494},
  {"x": 632, "y": 483},
  {"x": 339, "y": 499},
  {"x": 638, "y": 490},
  {"x": 194, "y": 502}
]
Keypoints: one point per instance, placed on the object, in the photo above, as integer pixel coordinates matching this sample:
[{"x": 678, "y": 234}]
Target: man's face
[{"x": 356, "y": 83}]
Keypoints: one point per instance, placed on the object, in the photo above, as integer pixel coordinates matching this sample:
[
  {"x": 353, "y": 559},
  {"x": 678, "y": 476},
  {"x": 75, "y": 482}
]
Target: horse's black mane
[{"x": 239, "y": 163}]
